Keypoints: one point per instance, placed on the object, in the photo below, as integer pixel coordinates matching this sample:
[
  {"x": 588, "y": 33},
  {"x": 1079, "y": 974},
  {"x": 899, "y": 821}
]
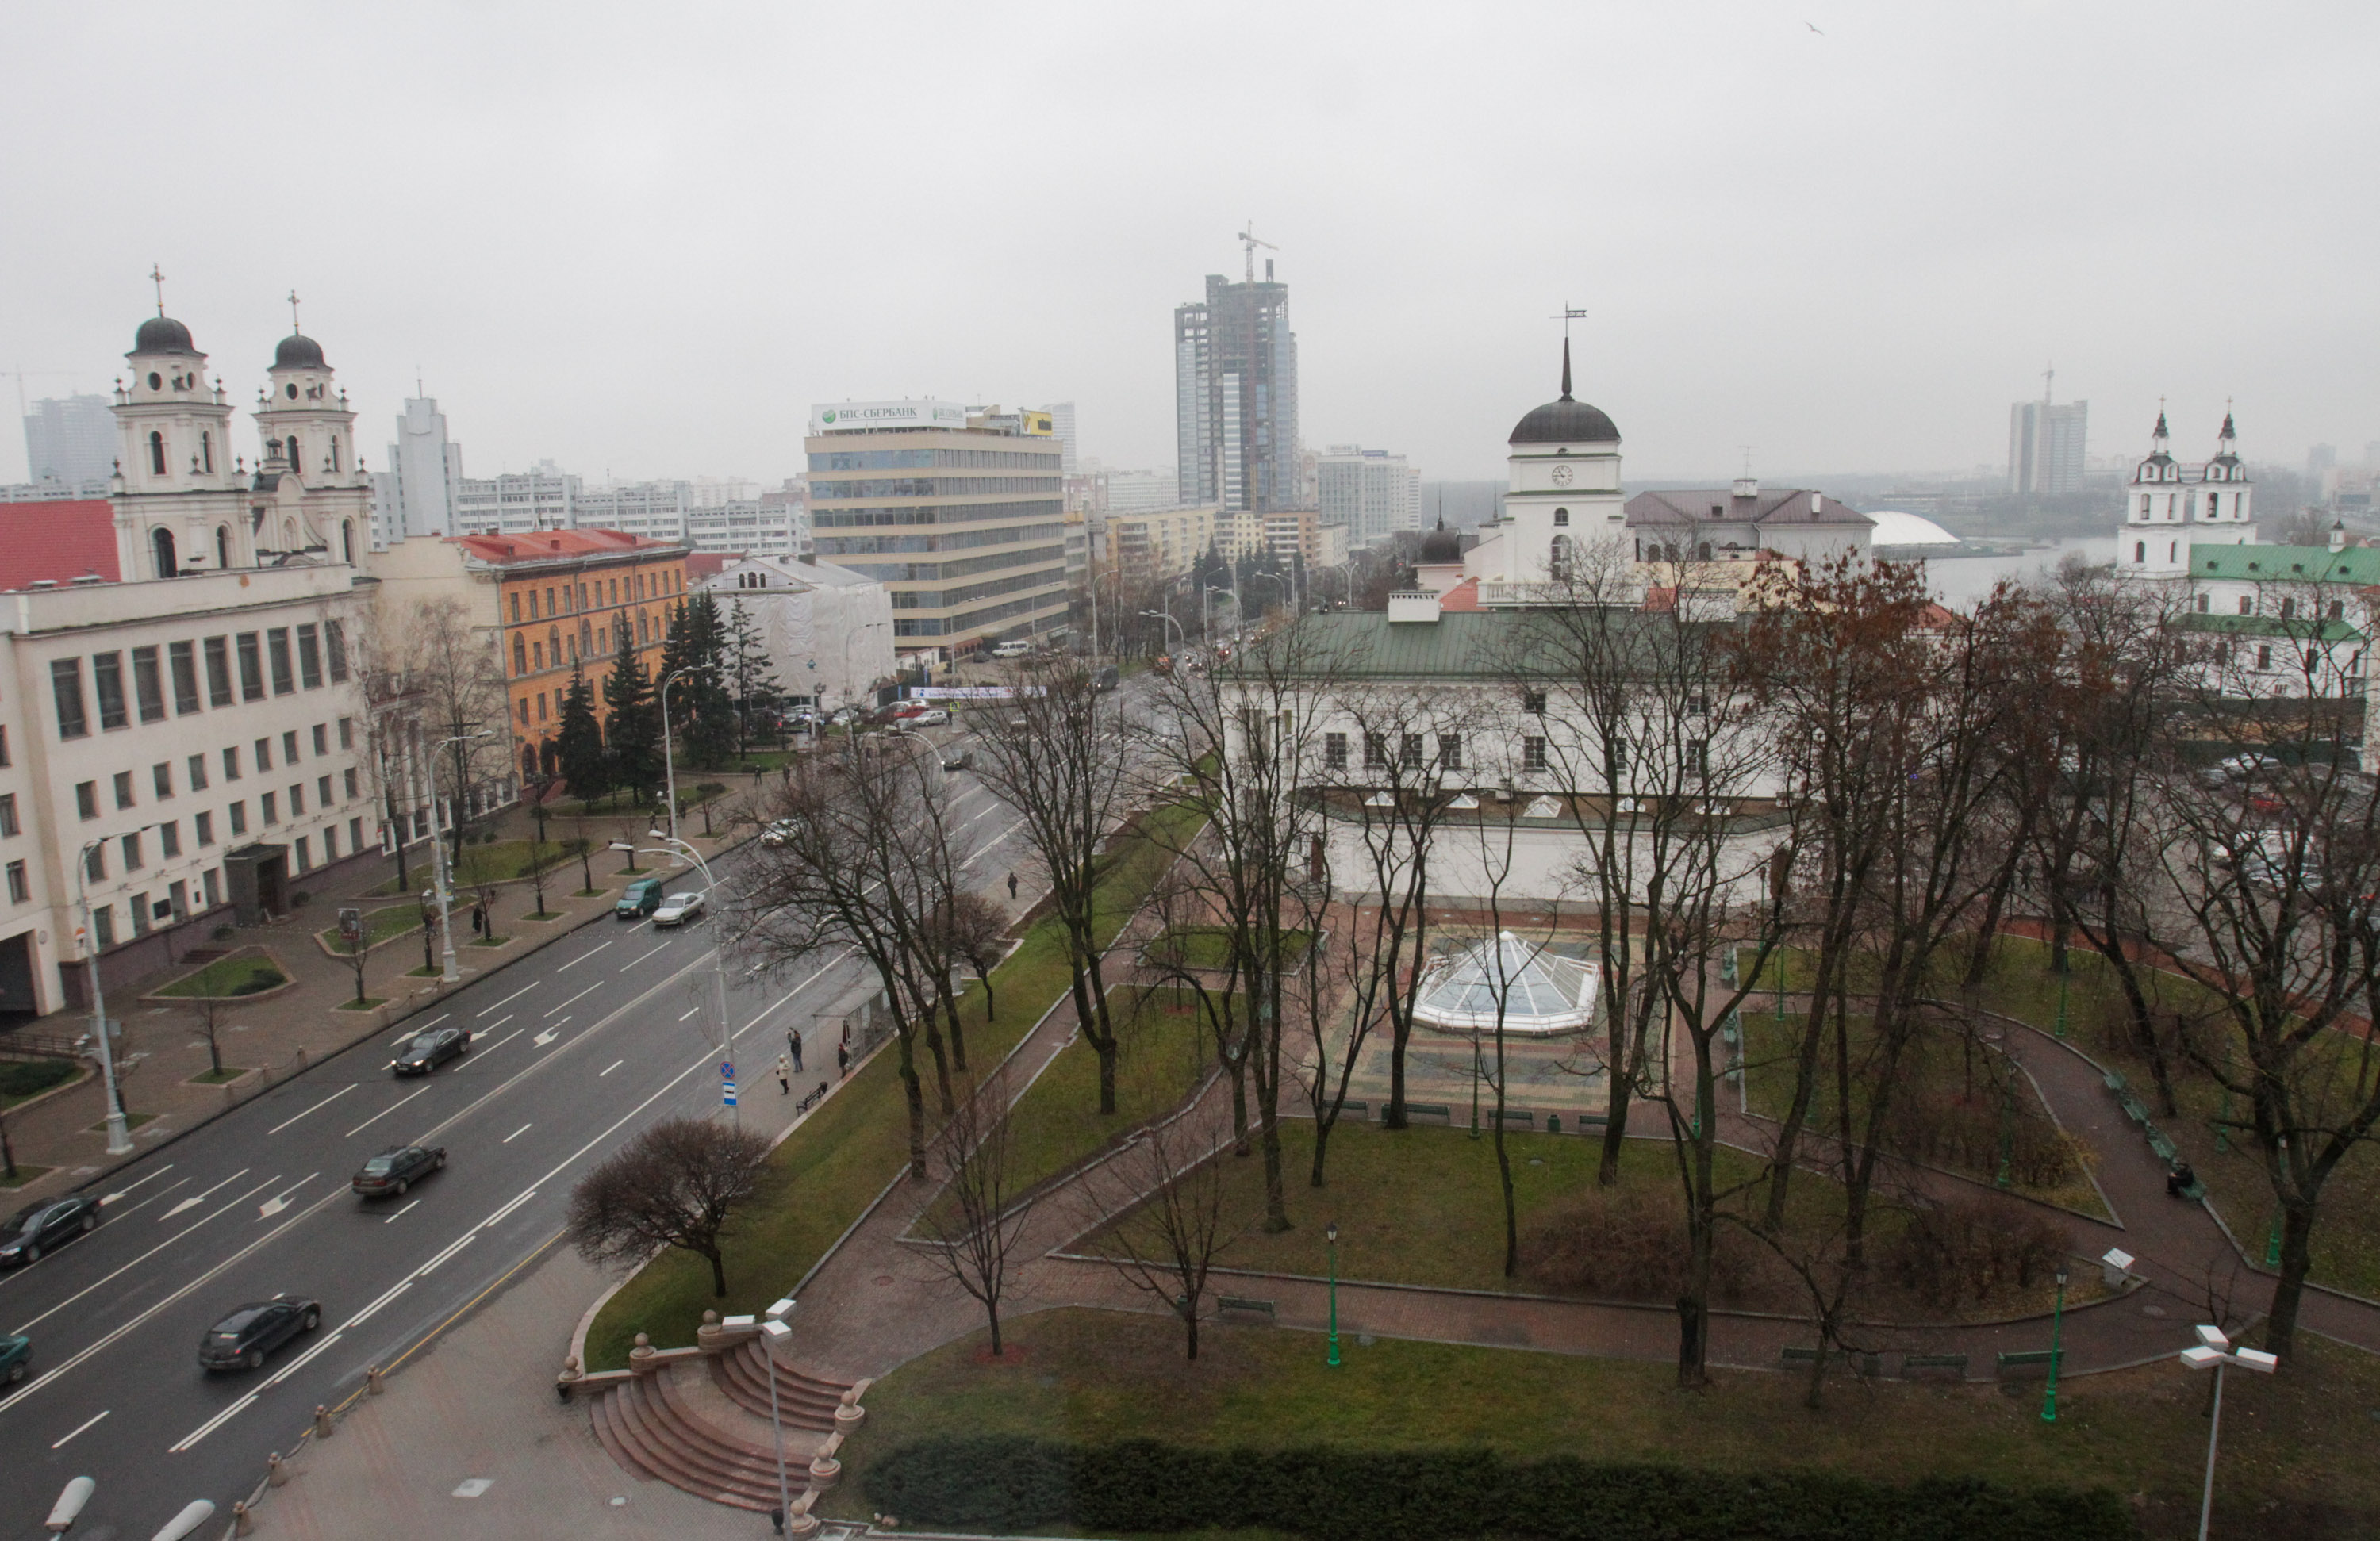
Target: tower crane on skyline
[{"x": 1248, "y": 239}]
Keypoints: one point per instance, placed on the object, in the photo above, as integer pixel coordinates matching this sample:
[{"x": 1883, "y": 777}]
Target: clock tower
[{"x": 1563, "y": 494}]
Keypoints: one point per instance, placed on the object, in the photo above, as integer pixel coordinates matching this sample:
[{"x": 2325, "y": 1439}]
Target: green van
[{"x": 644, "y": 896}]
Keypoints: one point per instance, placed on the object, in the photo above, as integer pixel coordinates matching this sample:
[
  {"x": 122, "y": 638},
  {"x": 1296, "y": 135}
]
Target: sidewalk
[{"x": 279, "y": 1033}]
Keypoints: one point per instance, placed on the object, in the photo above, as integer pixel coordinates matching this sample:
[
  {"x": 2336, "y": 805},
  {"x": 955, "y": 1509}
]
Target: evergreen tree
[
  {"x": 751, "y": 678},
  {"x": 579, "y": 744},
  {"x": 635, "y": 723},
  {"x": 702, "y": 715}
]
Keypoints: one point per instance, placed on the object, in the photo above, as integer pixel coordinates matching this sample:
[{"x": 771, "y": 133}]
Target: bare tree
[
  {"x": 974, "y": 929},
  {"x": 1164, "y": 1228},
  {"x": 677, "y": 1184},
  {"x": 453, "y": 669},
  {"x": 972, "y": 1233},
  {"x": 209, "y": 1010}
]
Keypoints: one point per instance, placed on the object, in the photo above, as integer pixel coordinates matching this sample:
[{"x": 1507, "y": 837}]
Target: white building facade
[{"x": 828, "y": 631}]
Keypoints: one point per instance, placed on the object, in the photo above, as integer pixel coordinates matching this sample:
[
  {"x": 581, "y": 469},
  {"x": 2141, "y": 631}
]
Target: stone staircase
[{"x": 704, "y": 1429}]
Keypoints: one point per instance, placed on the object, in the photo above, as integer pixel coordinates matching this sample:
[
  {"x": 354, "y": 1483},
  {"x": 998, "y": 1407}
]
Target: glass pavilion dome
[{"x": 1544, "y": 993}]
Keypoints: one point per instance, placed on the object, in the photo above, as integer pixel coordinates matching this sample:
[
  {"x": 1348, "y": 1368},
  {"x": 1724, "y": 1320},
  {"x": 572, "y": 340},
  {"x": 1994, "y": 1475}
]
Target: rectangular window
[
  {"x": 352, "y": 793},
  {"x": 289, "y": 747},
  {"x": 107, "y": 684},
  {"x": 540, "y": 705},
  {"x": 347, "y": 733},
  {"x": 323, "y": 792},
  {"x": 198, "y": 772},
  {"x": 263, "y": 754},
  {"x": 1697, "y": 757},
  {"x": 516, "y": 614},
  {"x": 86, "y": 799},
  {"x": 19, "y": 889},
  {"x": 94, "y": 861},
  {"x": 276, "y": 651},
  {"x": 310, "y": 657},
  {"x": 148, "y": 685},
  {"x": 1450, "y": 751},
  {"x": 1534, "y": 702},
  {"x": 1532, "y": 753},
  {"x": 3, "y": 744},
  {"x": 251, "y": 668},
  {"x": 103, "y": 925},
  {"x": 66, "y": 688},
  {"x": 218, "y": 670},
  {"x": 355, "y": 835},
  {"x": 1411, "y": 752},
  {"x": 177, "y": 900},
  {"x": 169, "y": 840},
  {"x": 305, "y": 857},
  {"x": 137, "y": 908},
  {"x": 132, "y": 851},
  {"x": 2265, "y": 656},
  {"x": 214, "y": 893},
  {"x": 231, "y": 764},
  {"x": 239, "y": 819},
  {"x": 335, "y": 642},
  {"x": 1376, "y": 751},
  {"x": 297, "y": 800},
  {"x": 203, "y": 829},
  {"x": 124, "y": 789},
  {"x": 161, "y": 776},
  {"x": 522, "y": 706},
  {"x": 1334, "y": 751},
  {"x": 329, "y": 844},
  {"x": 322, "y": 738},
  {"x": 183, "y": 660},
  {"x": 268, "y": 809},
  {"x": 8, "y": 815}
]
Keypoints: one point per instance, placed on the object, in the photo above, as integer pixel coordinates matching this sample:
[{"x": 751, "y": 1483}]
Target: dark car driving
[
  {"x": 241, "y": 1340},
  {"x": 16, "y": 1358},
  {"x": 397, "y": 1169},
  {"x": 424, "y": 1052},
  {"x": 45, "y": 1226}
]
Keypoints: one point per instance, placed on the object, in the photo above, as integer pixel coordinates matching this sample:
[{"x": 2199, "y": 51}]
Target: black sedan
[
  {"x": 424, "y": 1052},
  {"x": 397, "y": 1169},
  {"x": 241, "y": 1340},
  {"x": 45, "y": 1226}
]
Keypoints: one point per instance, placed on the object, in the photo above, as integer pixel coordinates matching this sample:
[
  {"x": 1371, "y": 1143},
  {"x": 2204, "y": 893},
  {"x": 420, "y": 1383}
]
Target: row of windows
[
  {"x": 1445, "y": 751},
  {"x": 572, "y": 598},
  {"x": 935, "y": 513},
  {"x": 132, "y": 848},
  {"x": 930, "y": 572},
  {"x": 531, "y": 656},
  {"x": 161, "y": 775},
  {"x": 978, "y": 620},
  {"x": 866, "y": 545},
  {"x": 142, "y": 911},
  {"x": 302, "y": 658},
  {"x": 920, "y": 599},
  {"x": 2214, "y": 504},
  {"x": 920, "y": 459},
  {"x": 933, "y": 487}
]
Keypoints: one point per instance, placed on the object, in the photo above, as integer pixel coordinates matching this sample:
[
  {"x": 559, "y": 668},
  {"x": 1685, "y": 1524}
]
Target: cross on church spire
[
  {"x": 294, "y": 327},
  {"x": 1568, "y": 315},
  {"x": 158, "y": 278}
]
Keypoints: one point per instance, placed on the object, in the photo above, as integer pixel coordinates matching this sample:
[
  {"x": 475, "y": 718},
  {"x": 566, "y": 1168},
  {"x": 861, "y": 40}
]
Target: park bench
[
  {"x": 2023, "y": 1364},
  {"x": 1357, "y": 1109},
  {"x": 1244, "y": 1303},
  {"x": 1429, "y": 1110},
  {"x": 1865, "y": 1366},
  {"x": 1918, "y": 1366},
  {"x": 1526, "y": 1121},
  {"x": 2115, "y": 1079}
]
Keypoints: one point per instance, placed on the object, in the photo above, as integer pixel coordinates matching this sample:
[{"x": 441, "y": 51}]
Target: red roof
[
  {"x": 547, "y": 545},
  {"x": 1463, "y": 596},
  {"x": 57, "y": 541},
  {"x": 709, "y": 565}
]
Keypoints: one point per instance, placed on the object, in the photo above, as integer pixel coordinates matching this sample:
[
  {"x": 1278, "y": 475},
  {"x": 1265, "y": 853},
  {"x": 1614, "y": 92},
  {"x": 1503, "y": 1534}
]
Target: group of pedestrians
[{"x": 789, "y": 1063}]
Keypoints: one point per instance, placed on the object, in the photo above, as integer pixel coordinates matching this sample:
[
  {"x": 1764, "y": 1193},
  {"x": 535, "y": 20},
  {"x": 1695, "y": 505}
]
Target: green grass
[
  {"x": 2293, "y": 1463},
  {"x": 20, "y": 1079},
  {"x": 1209, "y": 947},
  {"x": 828, "y": 1171},
  {"x": 500, "y": 862},
  {"x": 131, "y": 1121},
  {"x": 243, "y": 974},
  {"x": 26, "y": 1172},
  {"x": 382, "y": 924}
]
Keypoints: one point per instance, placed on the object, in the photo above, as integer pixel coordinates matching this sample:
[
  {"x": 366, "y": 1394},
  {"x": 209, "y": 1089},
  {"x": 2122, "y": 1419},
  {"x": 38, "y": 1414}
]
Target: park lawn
[
  {"x": 500, "y": 862},
  {"x": 1207, "y": 946},
  {"x": 21, "y": 1080},
  {"x": 241, "y": 974},
  {"x": 2346, "y": 1243},
  {"x": 384, "y": 924},
  {"x": 2291, "y": 1464},
  {"x": 826, "y": 1173}
]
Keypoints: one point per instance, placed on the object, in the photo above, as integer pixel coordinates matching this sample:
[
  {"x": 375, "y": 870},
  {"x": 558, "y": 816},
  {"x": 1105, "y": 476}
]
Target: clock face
[{"x": 1561, "y": 475}]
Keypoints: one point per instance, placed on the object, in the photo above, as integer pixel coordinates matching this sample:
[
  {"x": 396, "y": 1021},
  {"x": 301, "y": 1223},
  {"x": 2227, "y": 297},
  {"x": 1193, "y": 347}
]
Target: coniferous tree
[
  {"x": 701, "y": 713},
  {"x": 579, "y": 743},
  {"x": 751, "y": 678},
  {"x": 635, "y": 723}
]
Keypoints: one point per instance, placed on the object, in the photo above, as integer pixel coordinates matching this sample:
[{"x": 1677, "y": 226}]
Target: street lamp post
[
  {"x": 1331, "y": 1234},
  {"x": 669, "y": 760},
  {"x": 672, "y": 847},
  {"x": 2215, "y": 1351},
  {"x": 119, "y": 1135},
  {"x": 1207, "y": 608},
  {"x": 444, "y": 868},
  {"x": 1167, "y": 617},
  {"x": 773, "y": 1331},
  {"x": 2057, "y": 1321}
]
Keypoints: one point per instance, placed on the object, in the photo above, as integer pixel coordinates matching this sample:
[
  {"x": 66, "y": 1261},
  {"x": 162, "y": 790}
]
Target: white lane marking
[
  {"x": 400, "y": 1214},
  {"x": 384, "y": 1112},
  {"x": 226, "y": 1415},
  {"x": 286, "y": 1371},
  {"x": 575, "y": 998},
  {"x": 513, "y": 997},
  {"x": 791, "y": 993},
  {"x": 498, "y": 1023},
  {"x": 152, "y": 1251},
  {"x": 640, "y": 957},
  {"x": 130, "y": 1187},
  {"x": 435, "y": 1262},
  {"x": 324, "y": 1103},
  {"x": 194, "y": 1203},
  {"x": 61, "y": 1444},
  {"x": 689, "y": 1013},
  {"x": 150, "y": 1199},
  {"x": 609, "y": 1069},
  {"x": 516, "y": 1133},
  {"x": 425, "y": 1026},
  {"x": 991, "y": 845},
  {"x": 506, "y": 1208},
  {"x": 373, "y": 1309},
  {"x": 483, "y": 1053},
  {"x": 584, "y": 956},
  {"x": 280, "y": 1201}
]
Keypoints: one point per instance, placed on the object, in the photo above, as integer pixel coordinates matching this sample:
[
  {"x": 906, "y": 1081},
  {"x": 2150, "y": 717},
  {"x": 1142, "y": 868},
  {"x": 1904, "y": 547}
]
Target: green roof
[
  {"x": 1460, "y": 645},
  {"x": 2357, "y": 565}
]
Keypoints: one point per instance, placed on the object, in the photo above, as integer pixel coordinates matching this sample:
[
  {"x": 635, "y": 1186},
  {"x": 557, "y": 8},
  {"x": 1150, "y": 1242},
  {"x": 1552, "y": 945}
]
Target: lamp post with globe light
[
  {"x": 2214, "y": 1353},
  {"x": 1331, "y": 1235},
  {"x": 2057, "y": 1321}
]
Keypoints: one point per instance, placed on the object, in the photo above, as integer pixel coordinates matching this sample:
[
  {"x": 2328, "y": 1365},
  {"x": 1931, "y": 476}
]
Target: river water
[{"x": 1960, "y": 582}]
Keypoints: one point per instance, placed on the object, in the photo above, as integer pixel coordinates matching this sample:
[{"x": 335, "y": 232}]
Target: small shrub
[
  {"x": 24, "y": 1077},
  {"x": 1974, "y": 1250},
  {"x": 300, "y": 899},
  {"x": 1628, "y": 1244},
  {"x": 225, "y": 933}
]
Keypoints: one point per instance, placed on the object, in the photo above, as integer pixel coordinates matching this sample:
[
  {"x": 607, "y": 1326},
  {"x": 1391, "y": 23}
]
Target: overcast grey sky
[{"x": 644, "y": 239}]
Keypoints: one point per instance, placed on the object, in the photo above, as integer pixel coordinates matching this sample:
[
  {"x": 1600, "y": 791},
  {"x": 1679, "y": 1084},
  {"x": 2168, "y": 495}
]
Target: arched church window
[
  {"x": 1703, "y": 552},
  {"x": 223, "y": 547},
  {"x": 2247, "y": 605},
  {"x": 2139, "y": 551},
  {"x": 156, "y": 381},
  {"x": 1558, "y": 565},
  {"x": 161, "y": 541},
  {"x": 156, "y": 454},
  {"x": 2172, "y": 551},
  {"x": 294, "y": 462},
  {"x": 1561, "y": 516},
  {"x": 292, "y": 389},
  {"x": 520, "y": 655},
  {"x": 2214, "y": 502},
  {"x": 207, "y": 452},
  {"x": 347, "y": 542}
]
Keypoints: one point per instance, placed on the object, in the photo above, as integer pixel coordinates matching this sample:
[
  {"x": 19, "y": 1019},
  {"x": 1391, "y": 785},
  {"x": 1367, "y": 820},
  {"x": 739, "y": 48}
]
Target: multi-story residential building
[
  {"x": 516, "y": 502},
  {"x": 1372, "y": 492},
  {"x": 655, "y": 510},
  {"x": 1062, "y": 427},
  {"x": 1140, "y": 491},
  {"x": 964, "y": 523},
  {"x": 69, "y": 441},
  {"x": 1235, "y": 397},
  {"x": 828, "y": 631},
  {"x": 1159, "y": 545},
  {"x": 417, "y": 492},
  {"x": 548, "y": 603},
  {"x": 752, "y": 525},
  {"x": 1296, "y": 536},
  {"x": 2047, "y": 447}
]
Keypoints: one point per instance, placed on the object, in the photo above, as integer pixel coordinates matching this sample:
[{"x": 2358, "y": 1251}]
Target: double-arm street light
[
  {"x": 119, "y": 1133},
  {"x": 444, "y": 870},
  {"x": 1168, "y": 618},
  {"x": 2214, "y": 1353},
  {"x": 672, "y": 846}
]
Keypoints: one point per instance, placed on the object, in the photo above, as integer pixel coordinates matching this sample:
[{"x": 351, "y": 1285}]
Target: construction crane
[{"x": 1248, "y": 238}]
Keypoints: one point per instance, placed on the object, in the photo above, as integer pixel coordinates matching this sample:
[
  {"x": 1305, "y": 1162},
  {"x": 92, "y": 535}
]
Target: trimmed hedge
[{"x": 1011, "y": 1483}]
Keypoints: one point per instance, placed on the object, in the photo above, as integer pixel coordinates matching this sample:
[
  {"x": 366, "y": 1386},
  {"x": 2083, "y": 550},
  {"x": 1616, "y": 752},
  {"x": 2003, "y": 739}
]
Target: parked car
[
  {"x": 396, "y": 1169},
  {"x": 16, "y": 1358},
  {"x": 2263, "y": 860},
  {"x": 843, "y": 717},
  {"x": 959, "y": 760},
  {"x": 424, "y": 1052},
  {"x": 780, "y": 833},
  {"x": 45, "y": 1226},
  {"x": 679, "y": 908},
  {"x": 931, "y": 717},
  {"x": 241, "y": 1340},
  {"x": 641, "y": 898},
  {"x": 1108, "y": 678},
  {"x": 2240, "y": 770},
  {"x": 1013, "y": 649}
]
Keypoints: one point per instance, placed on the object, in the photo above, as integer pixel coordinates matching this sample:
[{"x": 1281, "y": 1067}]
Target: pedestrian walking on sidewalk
[
  {"x": 794, "y": 1045},
  {"x": 479, "y": 921},
  {"x": 784, "y": 1076},
  {"x": 1012, "y": 887},
  {"x": 841, "y": 1062}
]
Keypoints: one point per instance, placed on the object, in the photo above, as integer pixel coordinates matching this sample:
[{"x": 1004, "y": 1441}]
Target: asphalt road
[{"x": 575, "y": 1048}]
